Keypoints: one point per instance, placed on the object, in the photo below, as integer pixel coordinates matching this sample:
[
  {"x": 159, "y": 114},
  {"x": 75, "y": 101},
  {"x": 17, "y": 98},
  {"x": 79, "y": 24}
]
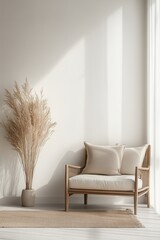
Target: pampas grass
[{"x": 28, "y": 126}]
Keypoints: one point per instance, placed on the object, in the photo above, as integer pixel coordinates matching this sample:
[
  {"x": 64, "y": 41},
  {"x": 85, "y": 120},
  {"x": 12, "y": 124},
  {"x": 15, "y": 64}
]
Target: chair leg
[
  {"x": 66, "y": 202},
  {"x": 85, "y": 199},
  {"x": 148, "y": 199},
  {"x": 136, "y": 191},
  {"x": 66, "y": 189},
  {"x": 135, "y": 203}
]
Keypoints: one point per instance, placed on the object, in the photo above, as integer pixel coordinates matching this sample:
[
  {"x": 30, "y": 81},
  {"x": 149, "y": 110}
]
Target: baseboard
[{"x": 10, "y": 201}]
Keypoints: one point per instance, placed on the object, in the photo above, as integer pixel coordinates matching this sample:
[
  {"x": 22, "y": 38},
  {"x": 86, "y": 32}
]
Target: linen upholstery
[
  {"x": 103, "y": 159},
  {"x": 132, "y": 157},
  {"x": 103, "y": 182}
]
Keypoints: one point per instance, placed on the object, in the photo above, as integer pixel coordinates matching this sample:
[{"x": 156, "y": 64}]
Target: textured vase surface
[{"x": 28, "y": 198}]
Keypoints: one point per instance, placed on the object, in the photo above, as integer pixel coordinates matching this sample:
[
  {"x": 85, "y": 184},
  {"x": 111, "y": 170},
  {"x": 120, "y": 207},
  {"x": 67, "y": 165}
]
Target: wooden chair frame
[{"x": 143, "y": 173}]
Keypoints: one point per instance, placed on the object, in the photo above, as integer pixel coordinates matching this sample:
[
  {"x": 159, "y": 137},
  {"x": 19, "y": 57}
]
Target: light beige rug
[{"x": 71, "y": 219}]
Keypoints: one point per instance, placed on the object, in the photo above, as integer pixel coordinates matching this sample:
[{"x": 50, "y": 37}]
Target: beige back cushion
[
  {"x": 103, "y": 159},
  {"x": 133, "y": 157}
]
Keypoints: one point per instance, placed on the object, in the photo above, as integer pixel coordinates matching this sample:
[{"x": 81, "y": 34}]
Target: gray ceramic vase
[{"x": 28, "y": 198}]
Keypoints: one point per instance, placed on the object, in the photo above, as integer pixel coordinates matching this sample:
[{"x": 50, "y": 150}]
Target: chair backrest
[{"x": 146, "y": 161}]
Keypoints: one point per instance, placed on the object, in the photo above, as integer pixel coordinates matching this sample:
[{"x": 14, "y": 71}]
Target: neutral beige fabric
[
  {"x": 103, "y": 159},
  {"x": 102, "y": 182},
  {"x": 71, "y": 219},
  {"x": 132, "y": 157}
]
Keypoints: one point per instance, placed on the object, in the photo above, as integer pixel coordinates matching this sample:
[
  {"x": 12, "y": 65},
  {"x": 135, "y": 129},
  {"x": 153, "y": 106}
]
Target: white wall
[{"x": 89, "y": 57}]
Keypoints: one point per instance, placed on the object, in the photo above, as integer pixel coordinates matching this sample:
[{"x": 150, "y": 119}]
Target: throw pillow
[
  {"x": 103, "y": 159},
  {"x": 133, "y": 157}
]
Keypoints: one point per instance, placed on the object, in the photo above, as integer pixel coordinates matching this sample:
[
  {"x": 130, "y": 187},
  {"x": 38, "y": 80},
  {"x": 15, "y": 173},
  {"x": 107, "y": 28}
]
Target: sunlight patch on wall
[
  {"x": 64, "y": 88},
  {"x": 114, "y": 74}
]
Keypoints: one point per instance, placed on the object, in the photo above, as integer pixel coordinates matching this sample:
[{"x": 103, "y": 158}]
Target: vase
[{"x": 28, "y": 198}]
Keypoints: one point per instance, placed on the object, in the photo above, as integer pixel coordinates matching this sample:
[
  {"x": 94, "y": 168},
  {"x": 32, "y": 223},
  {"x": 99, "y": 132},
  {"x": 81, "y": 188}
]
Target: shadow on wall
[
  {"x": 10, "y": 172},
  {"x": 57, "y": 182}
]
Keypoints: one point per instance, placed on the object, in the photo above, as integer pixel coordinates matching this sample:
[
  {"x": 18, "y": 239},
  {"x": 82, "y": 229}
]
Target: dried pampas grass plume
[{"x": 28, "y": 126}]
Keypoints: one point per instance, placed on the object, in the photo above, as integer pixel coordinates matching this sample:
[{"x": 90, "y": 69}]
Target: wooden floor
[{"x": 148, "y": 217}]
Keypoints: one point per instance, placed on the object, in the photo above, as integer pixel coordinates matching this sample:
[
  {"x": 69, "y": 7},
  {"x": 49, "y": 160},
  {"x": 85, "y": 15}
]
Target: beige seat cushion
[
  {"x": 102, "y": 182},
  {"x": 103, "y": 159}
]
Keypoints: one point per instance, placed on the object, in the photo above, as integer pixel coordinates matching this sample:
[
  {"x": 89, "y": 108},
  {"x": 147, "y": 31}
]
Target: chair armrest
[
  {"x": 142, "y": 173},
  {"x": 144, "y": 169},
  {"x": 70, "y": 171}
]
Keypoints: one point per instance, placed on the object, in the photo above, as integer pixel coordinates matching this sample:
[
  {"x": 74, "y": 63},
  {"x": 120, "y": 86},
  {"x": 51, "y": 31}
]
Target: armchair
[{"x": 135, "y": 184}]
